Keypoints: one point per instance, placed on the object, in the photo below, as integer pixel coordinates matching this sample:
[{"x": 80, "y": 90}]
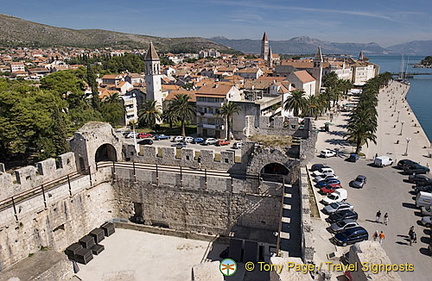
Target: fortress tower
[{"x": 153, "y": 76}]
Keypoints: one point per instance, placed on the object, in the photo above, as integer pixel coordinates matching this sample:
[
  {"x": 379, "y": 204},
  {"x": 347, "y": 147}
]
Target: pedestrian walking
[
  {"x": 385, "y": 218},
  {"x": 378, "y": 216},
  {"x": 375, "y": 235},
  {"x": 381, "y": 237}
]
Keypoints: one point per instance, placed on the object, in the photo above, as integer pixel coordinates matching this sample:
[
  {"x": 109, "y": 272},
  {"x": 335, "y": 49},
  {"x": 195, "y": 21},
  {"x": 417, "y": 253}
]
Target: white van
[
  {"x": 338, "y": 195},
  {"x": 382, "y": 161},
  {"x": 423, "y": 199}
]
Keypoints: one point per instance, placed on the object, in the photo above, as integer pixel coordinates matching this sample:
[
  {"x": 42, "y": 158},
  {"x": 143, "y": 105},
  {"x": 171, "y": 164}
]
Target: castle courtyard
[{"x": 133, "y": 256}]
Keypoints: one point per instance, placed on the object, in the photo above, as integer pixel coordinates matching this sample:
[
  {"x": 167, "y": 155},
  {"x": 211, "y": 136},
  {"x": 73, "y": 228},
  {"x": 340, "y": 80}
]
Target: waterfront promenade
[{"x": 385, "y": 189}]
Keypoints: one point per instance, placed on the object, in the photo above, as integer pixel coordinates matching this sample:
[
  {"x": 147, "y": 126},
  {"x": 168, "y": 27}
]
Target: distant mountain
[
  {"x": 422, "y": 48},
  {"x": 301, "y": 45},
  {"x": 18, "y": 32}
]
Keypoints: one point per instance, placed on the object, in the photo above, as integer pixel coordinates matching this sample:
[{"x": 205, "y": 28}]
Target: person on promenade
[
  {"x": 413, "y": 238},
  {"x": 375, "y": 235},
  {"x": 385, "y": 218},
  {"x": 381, "y": 237},
  {"x": 378, "y": 216}
]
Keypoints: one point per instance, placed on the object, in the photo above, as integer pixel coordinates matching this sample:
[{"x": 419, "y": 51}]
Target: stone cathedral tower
[
  {"x": 153, "y": 76},
  {"x": 265, "y": 48},
  {"x": 317, "y": 70}
]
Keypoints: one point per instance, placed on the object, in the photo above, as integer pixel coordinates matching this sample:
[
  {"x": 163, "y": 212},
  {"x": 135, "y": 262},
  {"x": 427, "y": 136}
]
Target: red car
[
  {"x": 222, "y": 142},
  {"x": 144, "y": 135},
  {"x": 330, "y": 188}
]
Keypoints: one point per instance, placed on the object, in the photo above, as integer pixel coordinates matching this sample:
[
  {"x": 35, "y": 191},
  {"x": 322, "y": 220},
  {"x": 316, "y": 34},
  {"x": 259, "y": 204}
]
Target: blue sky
[{"x": 385, "y": 22}]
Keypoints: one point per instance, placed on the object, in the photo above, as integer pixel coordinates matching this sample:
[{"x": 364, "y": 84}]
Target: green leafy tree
[
  {"x": 296, "y": 102},
  {"x": 183, "y": 109},
  {"x": 227, "y": 110},
  {"x": 113, "y": 110},
  {"x": 150, "y": 114}
]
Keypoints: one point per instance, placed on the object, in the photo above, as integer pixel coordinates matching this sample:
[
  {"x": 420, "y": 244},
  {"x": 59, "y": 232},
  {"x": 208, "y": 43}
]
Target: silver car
[
  {"x": 336, "y": 207},
  {"x": 342, "y": 226},
  {"x": 325, "y": 177},
  {"x": 427, "y": 211},
  {"x": 426, "y": 221}
]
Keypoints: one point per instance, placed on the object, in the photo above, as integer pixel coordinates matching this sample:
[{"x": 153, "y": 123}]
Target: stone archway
[
  {"x": 274, "y": 172},
  {"x": 106, "y": 152}
]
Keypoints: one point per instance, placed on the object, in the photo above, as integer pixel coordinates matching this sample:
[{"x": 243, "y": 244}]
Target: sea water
[{"x": 419, "y": 96}]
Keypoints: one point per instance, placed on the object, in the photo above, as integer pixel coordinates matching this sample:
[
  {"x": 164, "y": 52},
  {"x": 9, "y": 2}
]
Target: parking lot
[
  {"x": 386, "y": 191},
  {"x": 197, "y": 147}
]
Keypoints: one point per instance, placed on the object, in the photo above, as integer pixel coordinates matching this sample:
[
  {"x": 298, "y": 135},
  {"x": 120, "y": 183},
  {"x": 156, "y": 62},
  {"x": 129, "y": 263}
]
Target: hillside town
[{"x": 259, "y": 84}]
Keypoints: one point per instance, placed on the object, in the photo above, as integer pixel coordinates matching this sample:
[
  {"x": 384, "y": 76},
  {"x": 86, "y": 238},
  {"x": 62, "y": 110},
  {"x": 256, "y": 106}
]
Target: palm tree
[
  {"x": 170, "y": 116},
  {"x": 183, "y": 109},
  {"x": 227, "y": 110},
  {"x": 314, "y": 107},
  {"x": 296, "y": 102},
  {"x": 150, "y": 114}
]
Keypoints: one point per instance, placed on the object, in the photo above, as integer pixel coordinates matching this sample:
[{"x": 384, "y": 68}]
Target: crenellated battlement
[
  {"x": 186, "y": 157},
  {"x": 29, "y": 177}
]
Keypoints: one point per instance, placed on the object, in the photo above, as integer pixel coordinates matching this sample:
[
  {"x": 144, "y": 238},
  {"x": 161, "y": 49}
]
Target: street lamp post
[
  {"x": 402, "y": 122},
  {"x": 397, "y": 120},
  {"x": 406, "y": 150}
]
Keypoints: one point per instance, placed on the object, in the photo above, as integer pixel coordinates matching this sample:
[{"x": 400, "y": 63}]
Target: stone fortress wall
[
  {"x": 57, "y": 201},
  {"x": 41, "y": 208}
]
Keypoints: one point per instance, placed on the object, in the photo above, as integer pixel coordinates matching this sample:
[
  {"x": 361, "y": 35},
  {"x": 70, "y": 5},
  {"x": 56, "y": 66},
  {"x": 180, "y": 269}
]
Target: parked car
[
  {"x": 327, "y": 182},
  {"x": 405, "y": 162},
  {"x": 144, "y": 135},
  {"x": 342, "y": 215},
  {"x": 327, "y": 153},
  {"x": 337, "y": 207},
  {"x": 322, "y": 171},
  {"x": 351, "y": 236},
  {"x": 359, "y": 182},
  {"x": 423, "y": 199},
  {"x": 382, "y": 161},
  {"x": 131, "y": 135},
  {"x": 353, "y": 157},
  {"x": 198, "y": 140},
  {"x": 161, "y": 137},
  {"x": 179, "y": 145},
  {"x": 146, "y": 142},
  {"x": 325, "y": 177},
  {"x": 210, "y": 141},
  {"x": 188, "y": 139},
  {"x": 237, "y": 145},
  {"x": 178, "y": 138},
  {"x": 342, "y": 225},
  {"x": 420, "y": 179},
  {"x": 318, "y": 167},
  {"x": 426, "y": 221},
  {"x": 426, "y": 210},
  {"x": 222, "y": 142},
  {"x": 337, "y": 196},
  {"x": 330, "y": 188},
  {"x": 416, "y": 169},
  {"x": 425, "y": 188}
]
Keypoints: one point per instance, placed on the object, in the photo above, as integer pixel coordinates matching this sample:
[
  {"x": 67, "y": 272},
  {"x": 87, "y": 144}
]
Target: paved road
[{"x": 386, "y": 191}]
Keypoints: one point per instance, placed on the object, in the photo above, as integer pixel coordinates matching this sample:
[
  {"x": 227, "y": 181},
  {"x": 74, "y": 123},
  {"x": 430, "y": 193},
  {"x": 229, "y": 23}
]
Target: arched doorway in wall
[
  {"x": 106, "y": 152},
  {"x": 274, "y": 172}
]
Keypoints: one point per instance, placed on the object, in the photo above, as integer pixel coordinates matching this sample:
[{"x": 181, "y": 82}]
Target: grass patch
[
  {"x": 178, "y": 153},
  {"x": 273, "y": 140},
  {"x": 237, "y": 159},
  {"x": 30, "y": 255},
  {"x": 43, "y": 248}
]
